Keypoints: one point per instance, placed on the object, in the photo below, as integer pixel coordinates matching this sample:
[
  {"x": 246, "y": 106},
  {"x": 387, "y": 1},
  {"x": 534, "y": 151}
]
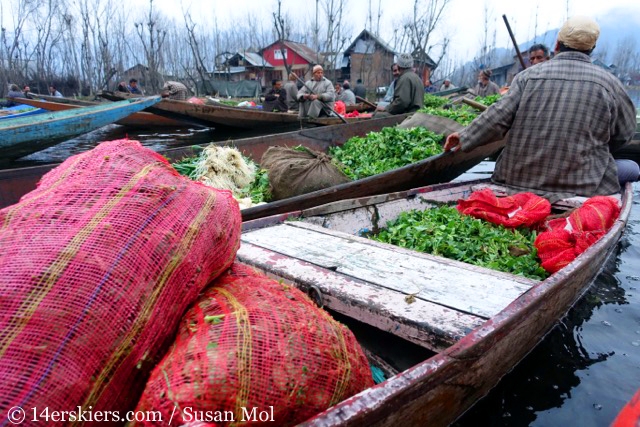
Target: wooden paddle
[
  {"x": 474, "y": 104},
  {"x": 371, "y": 104}
]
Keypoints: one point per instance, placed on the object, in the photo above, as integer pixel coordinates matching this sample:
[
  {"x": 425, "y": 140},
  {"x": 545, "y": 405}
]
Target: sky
[{"x": 463, "y": 23}]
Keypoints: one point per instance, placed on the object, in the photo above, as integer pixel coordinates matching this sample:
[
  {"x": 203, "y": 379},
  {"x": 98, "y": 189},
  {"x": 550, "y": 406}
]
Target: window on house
[{"x": 278, "y": 54}]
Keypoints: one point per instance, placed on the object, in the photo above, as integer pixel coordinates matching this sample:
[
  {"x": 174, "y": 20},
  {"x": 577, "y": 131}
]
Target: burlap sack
[{"x": 294, "y": 172}]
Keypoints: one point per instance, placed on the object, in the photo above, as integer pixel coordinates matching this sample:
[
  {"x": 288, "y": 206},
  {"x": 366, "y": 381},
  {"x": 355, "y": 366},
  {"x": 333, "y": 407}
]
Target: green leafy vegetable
[
  {"x": 388, "y": 149},
  {"x": 443, "y": 231}
]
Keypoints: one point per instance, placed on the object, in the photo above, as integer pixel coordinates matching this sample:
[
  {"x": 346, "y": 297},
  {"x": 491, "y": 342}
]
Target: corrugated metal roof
[
  {"x": 255, "y": 59},
  {"x": 231, "y": 70},
  {"x": 305, "y": 51},
  {"x": 364, "y": 47}
]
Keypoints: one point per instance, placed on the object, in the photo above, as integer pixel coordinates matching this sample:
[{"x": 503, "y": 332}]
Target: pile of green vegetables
[
  {"x": 443, "y": 231},
  {"x": 463, "y": 114},
  {"x": 382, "y": 151}
]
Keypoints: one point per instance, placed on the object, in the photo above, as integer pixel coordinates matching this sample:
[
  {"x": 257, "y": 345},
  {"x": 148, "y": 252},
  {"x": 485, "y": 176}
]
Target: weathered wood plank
[
  {"x": 426, "y": 324},
  {"x": 475, "y": 291}
]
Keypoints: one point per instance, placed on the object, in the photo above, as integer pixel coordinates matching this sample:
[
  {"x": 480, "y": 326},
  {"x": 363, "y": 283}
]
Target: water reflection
[
  {"x": 588, "y": 366},
  {"x": 156, "y": 139}
]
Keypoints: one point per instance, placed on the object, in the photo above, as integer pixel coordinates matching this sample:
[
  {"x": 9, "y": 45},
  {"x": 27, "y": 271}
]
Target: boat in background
[
  {"x": 219, "y": 115},
  {"x": 436, "y": 169},
  {"x": 140, "y": 119},
  {"x": 19, "y": 111},
  {"x": 22, "y": 136},
  {"x": 443, "y": 331}
]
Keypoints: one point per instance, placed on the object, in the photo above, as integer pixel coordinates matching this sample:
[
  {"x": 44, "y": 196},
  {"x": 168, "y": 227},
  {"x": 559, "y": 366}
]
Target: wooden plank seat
[{"x": 428, "y": 300}]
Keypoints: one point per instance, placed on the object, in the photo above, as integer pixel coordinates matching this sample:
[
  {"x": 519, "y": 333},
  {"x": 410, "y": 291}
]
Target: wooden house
[
  {"x": 300, "y": 58},
  {"x": 245, "y": 65},
  {"x": 423, "y": 64},
  {"x": 370, "y": 59}
]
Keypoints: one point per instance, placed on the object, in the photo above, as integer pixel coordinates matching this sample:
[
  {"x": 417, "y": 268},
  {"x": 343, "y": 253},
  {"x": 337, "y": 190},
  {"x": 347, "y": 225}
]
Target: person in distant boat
[
  {"x": 538, "y": 53},
  {"x": 133, "y": 87},
  {"x": 317, "y": 96},
  {"x": 26, "y": 90},
  {"x": 408, "y": 92},
  {"x": 291, "y": 88},
  {"x": 429, "y": 87},
  {"x": 360, "y": 90},
  {"x": 14, "y": 92},
  {"x": 485, "y": 86},
  {"x": 388, "y": 96},
  {"x": 562, "y": 119},
  {"x": 54, "y": 92},
  {"x": 446, "y": 85},
  {"x": 276, "y": 99},
  {"x": 175, "y": 90},
  {"x": 345, "y": 95},
  {"x": 122, "y": 87}
]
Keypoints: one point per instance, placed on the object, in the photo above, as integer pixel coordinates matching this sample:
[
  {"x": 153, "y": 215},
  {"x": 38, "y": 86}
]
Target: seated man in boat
[
  {"x": 175, "y": 90},
  {"x": 275, "y": 99},
  {"x": 14, "y": 92},
  {"x": 485, "y": 86},
  {"x": 538, "y": 53},
  {"x": 446, "y": 85},
  {"x": 291, "y": 88},
  {"x": 557, "y": 144},
  {"x": 346, "y": 95},
  {"x": 133, "y": 87},
  {"x": 317, "y": 96},
  {"x": 408, "y": 91},
  {"x": 54, "y": 92}
]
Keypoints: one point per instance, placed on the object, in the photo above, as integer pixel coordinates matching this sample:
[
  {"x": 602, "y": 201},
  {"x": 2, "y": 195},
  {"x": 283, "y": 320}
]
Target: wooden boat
[
  {"x": 440, "y": 168},
  {"x": 59, "y": 100},
  {"x": 233, "y": 117},
  {"x": 19, "y": 111},
  {"x": 141, "y": 119},
  {"x": 470, "y": 325},
  {"x": 26, "y": 135}
]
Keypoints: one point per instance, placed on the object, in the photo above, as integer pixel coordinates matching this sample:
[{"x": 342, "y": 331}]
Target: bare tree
[{"x": 152, "y": 35}]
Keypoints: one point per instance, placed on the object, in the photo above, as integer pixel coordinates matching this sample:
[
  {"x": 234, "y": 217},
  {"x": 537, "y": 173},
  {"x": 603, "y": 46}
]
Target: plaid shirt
[
  {"x": 176, "y": 90},
  {"x": 564, "y": 118}
]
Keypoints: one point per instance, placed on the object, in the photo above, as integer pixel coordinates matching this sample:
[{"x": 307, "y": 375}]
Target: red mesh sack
[
  {"x": 252, "y": 343},
  {"x": 567, "y": 238},
  {"x": 522, "y": 209},
  {"x": 98, "y": 265},
  {"x": 340, "y": 108}
]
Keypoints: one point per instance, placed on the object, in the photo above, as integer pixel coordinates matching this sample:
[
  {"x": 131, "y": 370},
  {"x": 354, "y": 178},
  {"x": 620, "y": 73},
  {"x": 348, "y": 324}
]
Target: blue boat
[
  {"x": 25, "y": 135},
  {"x": 19, "y": 111}
]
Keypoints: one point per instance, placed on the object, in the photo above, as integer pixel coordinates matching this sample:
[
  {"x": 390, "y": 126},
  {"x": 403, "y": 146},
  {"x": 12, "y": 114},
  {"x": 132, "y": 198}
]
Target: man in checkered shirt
[
  {"x": 175, "y": 90},
  {"x": 564, "y": 118}
]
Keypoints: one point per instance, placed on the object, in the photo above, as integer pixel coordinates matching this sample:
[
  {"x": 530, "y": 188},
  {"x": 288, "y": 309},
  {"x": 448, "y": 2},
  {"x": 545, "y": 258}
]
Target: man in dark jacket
[
  {"x": 276, "y": 99},
  {"x": 408, "y": 92},
  {"x": 360, "y": 90}
]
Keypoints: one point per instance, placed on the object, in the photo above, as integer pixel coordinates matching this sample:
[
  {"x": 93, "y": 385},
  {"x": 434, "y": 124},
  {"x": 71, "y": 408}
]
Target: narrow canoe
[
  {"x": 72, "y": 101},
  {"x": 141, "y": 119},
  {"x": 19, "y": 111},
  {"x": 232, "y": 117},
  {"x": 470, "y": 325},
  {"x": 22, "y": 136}
]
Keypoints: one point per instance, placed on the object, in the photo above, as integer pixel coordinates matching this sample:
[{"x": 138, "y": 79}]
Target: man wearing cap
[
  {"x": 485, "y": 87},
  {"x": 316, "y": 96},
  {"x": 446, "y": 85},
  {"x": 562, "y": 120},
  {"x": 408, "y": 92}
]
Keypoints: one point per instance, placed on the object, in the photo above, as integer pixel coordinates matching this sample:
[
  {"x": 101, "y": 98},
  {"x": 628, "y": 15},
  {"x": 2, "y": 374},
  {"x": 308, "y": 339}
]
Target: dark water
[
  {"x": 588, "y": 366},
  {"x": 156, "y": 139},
  {"x": 583, "y": 372}
]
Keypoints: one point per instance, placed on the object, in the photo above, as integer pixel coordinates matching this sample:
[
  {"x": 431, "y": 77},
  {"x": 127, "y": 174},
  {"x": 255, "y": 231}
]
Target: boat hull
[
  {"x": 440, "y": 389},
  {"x": 22, "y": 136}
]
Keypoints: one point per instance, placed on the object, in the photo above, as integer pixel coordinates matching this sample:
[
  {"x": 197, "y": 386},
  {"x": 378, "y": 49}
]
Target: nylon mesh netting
[
  {"x": 251, "y": 342},
  {"x": 98, "y": 265}
]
